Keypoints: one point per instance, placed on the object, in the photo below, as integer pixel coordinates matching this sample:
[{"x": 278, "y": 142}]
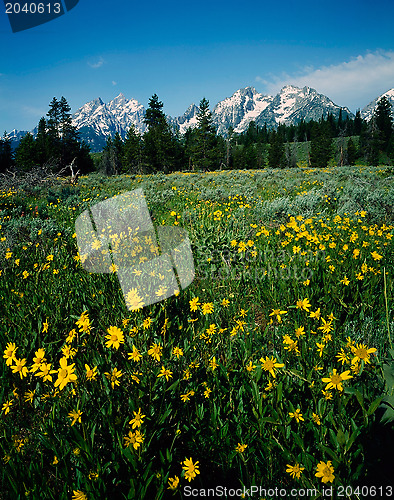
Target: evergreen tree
[
  {"x": 68, "y": 134},
  {"x": 331, "y": 124},
  {"x": 53, "y": 131},
  {"x": 251, "y": 135},
  {"x": 109, "y": 159},
  {"x": 84, "y": 161},
  {"x": 159, "y": 143},
  {"x": 290, "y": 133},
  {"x": 358, "y": 123},
  {"x": 118, "y": 153},
  {"x": 351, "y": 152},
  {"x": 263, "y": 134},
  {"x": 62, "y": 139},
  {"x": 229, "y": 146},
  {"x": 340, "y": 123},
  {"x": 390, "y": 148},
  {"x": 349, "y": 127},
  {"x": 321, "y": 144},
  {"x": 41, "y": 146},
  {"x": 238, "y": 161},
  {"x": 372, "y": 142},
  {"x": 250, "y": 157},
  {"x": 6, "y": 154},
  {"x": 276, "y": 155},
  {"x": 341, "y": 149},
  {"x": 302, "y": 132},
  {"x": 66, "y": 129},
  {"x": 25, "y": 153},
  {"x": 384, "y": 122},
  {"x": 154, "y": 116},
  {"x": 132, "y": 151},
  {"x": 206, "y": 149}
]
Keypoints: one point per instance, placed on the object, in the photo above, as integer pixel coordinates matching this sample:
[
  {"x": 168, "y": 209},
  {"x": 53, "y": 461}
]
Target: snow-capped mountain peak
[
  {"x": 97, "y": 120},
  {"x": 187, "y": 120},
  {"x": 103, "y": 120},
  {"x": 237, "y": 111},
  {"x": 368, "y": 111}
]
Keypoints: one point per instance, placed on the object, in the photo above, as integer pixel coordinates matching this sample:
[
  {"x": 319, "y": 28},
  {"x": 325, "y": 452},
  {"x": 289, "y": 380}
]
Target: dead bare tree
[
  {"x": 74, "y": 175},
  {"x": 44, "y": 175}
]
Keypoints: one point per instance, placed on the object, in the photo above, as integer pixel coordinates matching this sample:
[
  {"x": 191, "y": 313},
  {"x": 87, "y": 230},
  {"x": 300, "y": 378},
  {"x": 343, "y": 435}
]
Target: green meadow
[{"x": 274, "y": 368}]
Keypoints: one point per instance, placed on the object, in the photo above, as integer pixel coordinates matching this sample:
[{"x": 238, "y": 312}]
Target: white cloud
[
  {"x": 351, "y": 83},
  {"x": 114, "y": 83},
  {"x": 97, "y": 64}
]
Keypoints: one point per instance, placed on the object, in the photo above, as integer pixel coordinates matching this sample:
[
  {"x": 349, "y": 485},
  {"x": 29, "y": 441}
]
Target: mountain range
[{"x": 96, "y": 120}]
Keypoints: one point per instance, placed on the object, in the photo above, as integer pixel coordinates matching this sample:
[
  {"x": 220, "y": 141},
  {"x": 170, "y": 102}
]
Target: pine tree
[
  {"x": 41, "y": 146},
  {"x": 229, "y": 146},
  {"x": 384, "y": 121},
  {"x": 358, "y": 123},
  {"x": 109, "y": 159},
  {"x": 66, "y": 129},
  {"x": 372, "y": 142},
  {"x": 53, "y": 131},
  {"x": 250, "y": 157},
  {"x": 321, "y": 144},
  {"x": 154, "y": 116},
  {"x": 132, "y": 151},
  {"x": 251, "y": 134},
  {"x": 276, "y": 154},
  {"x": 61, "y": 139},
  {"x": 68, "y": 134},
  {"x": 6, "y": 154},
  {"x": 340, "y": 123},
  {"x": 25, "y": 153},
  {"x": 206, "y": 149},
  {"x": 159, "y": 143},
  {"x": 119, "y": 152},
  {"x": 351, "y": 152}
]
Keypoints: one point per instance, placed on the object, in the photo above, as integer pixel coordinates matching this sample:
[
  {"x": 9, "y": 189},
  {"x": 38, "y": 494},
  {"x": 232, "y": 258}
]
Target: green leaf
[
  {"x": 357, "y": 393},
  {"x": 388, "y": 371},
  {"x": 374, "y": 406},
  {"x": 388, "y": 403},
  {"x": 330, "y": 452},
  {"x": 352, "y": 438},
  {"x": 298, "y": 440},
  {"x": 341, "y": 438},
  {"x": 269, "y": 420},
  {"x": 279, "y": 392},
  {"x": 173, "y": 386}
]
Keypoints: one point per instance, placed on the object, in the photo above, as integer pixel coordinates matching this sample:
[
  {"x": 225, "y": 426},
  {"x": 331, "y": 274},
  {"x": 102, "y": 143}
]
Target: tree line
[
  {"x": 355, "y": 140},
  {"x": 162, "y": 149},
  {"x": 56, "y": 144}
]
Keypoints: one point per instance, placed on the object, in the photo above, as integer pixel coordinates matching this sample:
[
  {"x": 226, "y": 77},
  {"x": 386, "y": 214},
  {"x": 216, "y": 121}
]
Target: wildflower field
[{"x": 273, "y": 368}]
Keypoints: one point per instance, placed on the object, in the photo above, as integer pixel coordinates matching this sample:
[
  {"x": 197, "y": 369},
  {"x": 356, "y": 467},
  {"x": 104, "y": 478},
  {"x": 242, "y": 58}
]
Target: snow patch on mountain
[
  {"x": 97, "y": 120},
  {"x": 107, "y": 119},
  {"x": 368, "y": 111},
  {"x": 187, "y": 120},
  {"x": 237, "y": 111}
]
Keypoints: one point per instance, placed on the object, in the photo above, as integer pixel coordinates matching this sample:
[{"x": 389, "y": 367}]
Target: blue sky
[{"x": 187, "y": 50}]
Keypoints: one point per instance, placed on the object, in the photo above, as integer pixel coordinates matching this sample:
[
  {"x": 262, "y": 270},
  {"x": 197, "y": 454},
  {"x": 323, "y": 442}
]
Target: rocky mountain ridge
[{"x": 97, "y": 120}]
